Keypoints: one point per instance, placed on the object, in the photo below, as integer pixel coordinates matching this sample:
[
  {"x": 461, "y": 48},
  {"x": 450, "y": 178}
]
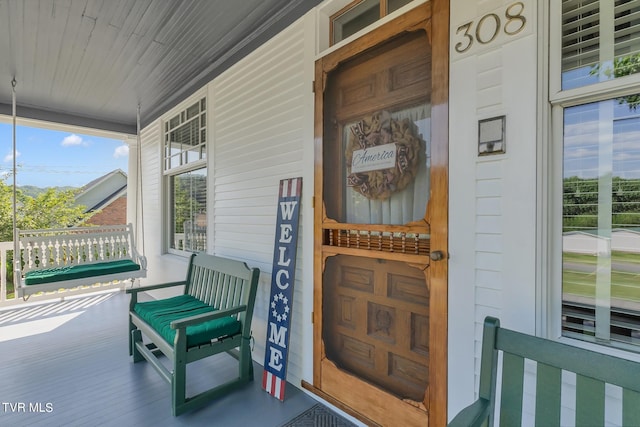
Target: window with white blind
[
  {"x": 185, "y": 136},
  {"x": 600, "y": 41},
  {"x": 184, "y": 159},
  {"x": 600, "y": 179}
]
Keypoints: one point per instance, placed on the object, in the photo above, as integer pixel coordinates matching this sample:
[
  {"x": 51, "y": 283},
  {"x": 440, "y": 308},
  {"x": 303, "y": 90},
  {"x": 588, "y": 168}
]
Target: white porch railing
[{"x": 190, "y": 241}]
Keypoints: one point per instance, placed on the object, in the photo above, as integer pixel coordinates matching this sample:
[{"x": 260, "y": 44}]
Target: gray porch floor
[{"x": 67, "y": 363}]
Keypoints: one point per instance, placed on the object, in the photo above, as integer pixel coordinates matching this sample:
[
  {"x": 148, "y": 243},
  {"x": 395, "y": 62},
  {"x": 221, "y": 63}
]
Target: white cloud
[
  {"x": 72, "y": 139},
  {"x": 121, "y": 151},
  {"x": 9, "y": 157}
]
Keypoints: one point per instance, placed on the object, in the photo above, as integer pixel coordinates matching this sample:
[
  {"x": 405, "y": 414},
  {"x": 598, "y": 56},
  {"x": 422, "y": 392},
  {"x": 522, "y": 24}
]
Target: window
[
  {"x": 184, "y": 156},
  {"x": 599, "y": 41},
  {"x": 359, "y": 15},
  {"x": 600, "y": 177},
  {"x": 185, "y": 137}
]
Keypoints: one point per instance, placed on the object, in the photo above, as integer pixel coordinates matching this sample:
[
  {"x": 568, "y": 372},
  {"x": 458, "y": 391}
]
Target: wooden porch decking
[{"x": 67, "y": 363}]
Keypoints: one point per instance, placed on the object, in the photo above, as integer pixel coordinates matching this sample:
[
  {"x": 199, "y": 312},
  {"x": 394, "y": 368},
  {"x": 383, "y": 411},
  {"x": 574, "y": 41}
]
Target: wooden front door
[{"x": 380, "y": 316}]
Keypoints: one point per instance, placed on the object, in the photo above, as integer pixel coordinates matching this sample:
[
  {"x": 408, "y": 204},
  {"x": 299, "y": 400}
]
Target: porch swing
[{"x": 56, "y": 259}]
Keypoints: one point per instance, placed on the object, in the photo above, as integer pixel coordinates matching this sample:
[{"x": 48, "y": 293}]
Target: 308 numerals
[{"x": 489, "y": 26}]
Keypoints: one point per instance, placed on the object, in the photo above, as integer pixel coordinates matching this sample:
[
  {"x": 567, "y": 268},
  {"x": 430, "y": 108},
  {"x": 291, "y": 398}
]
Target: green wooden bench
[
  {"x": 213, "y": 315},
  {"x": 593, "y": 370}
]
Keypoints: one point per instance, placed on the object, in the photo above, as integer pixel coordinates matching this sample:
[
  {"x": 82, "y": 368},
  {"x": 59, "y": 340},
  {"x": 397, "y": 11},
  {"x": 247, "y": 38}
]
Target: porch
[
  {"x": 255, "y": 110},
  {"x": 66, "y": 363}
]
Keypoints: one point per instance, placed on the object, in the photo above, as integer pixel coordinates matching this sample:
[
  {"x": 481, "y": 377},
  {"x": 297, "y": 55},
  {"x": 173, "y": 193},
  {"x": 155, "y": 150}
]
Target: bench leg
[
  {"x": 132, "y": 303},
  {"x": 179, "y": 386},
  {"x": 132, "y": 328},
  {"x": 245, "y": 363},
  {"x": 179, "y": 374},
  {"x": 135, "y": 337}
]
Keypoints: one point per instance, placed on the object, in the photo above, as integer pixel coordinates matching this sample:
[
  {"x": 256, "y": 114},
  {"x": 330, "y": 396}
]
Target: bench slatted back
[
  {"x": 235, "y": 284},
  {"x": 593, "y": 371}
]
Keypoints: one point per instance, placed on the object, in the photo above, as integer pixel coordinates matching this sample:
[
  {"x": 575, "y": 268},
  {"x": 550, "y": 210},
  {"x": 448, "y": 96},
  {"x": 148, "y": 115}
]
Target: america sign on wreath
[{"x": 282, "y": 280}]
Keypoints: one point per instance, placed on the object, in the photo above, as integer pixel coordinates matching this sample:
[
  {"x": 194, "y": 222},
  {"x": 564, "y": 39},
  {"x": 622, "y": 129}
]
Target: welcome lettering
[{"x": 282, "y": 280}]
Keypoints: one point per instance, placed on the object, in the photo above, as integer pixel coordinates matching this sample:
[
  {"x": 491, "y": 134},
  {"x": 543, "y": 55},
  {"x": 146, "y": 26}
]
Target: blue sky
[{"x": 48, "y": 158}]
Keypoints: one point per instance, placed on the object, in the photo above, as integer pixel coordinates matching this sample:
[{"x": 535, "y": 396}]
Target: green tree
[
  {"x": 50, "y": 209},
  {"x": 189, "y": 198},
  {"x": 580, "y": 203},
  {"x": 6, "y": 213},
  {"x": 622, "y": 66}
]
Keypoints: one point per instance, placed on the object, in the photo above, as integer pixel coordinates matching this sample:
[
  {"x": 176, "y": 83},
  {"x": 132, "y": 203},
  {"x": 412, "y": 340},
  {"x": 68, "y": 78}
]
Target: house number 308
[{"x": 489, "y": 26}]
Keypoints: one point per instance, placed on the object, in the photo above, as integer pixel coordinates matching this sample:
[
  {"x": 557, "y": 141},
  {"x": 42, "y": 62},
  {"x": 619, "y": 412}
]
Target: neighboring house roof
[
  {"x": 106, "y": 194},
  {"x": 103, "y": 190}
]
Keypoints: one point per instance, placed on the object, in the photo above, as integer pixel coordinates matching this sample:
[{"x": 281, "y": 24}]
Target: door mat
[{"x": 318, "y": 416}]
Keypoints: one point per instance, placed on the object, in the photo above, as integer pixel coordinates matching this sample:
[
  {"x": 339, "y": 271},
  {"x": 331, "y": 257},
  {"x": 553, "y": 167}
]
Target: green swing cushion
[
  {"x": 82, "y": 271},
  {"x": 160, "y": 313}
]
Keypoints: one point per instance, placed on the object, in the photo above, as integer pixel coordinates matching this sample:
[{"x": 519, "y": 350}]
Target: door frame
[{"x": 433, "y": 17}]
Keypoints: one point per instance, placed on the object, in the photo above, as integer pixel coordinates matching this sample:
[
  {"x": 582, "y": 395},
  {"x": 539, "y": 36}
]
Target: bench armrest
[
  {"x": 152, "y": 287},
  {"x": 474, "y": 415},
  {"x": 201, "y": 318}
]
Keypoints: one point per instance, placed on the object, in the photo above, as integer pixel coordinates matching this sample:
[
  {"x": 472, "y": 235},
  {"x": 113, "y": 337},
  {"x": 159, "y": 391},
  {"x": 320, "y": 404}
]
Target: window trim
[{"x": 182, "y": 112}]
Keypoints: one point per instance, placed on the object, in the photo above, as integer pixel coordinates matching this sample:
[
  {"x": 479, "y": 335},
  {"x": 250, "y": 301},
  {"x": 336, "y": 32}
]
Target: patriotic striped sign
[{"x": 282, "y": 280}]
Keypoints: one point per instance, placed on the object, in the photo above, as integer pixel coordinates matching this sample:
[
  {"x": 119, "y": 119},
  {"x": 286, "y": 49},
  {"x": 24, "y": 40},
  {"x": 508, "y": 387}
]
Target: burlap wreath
[{"x": 378, "y": 129}]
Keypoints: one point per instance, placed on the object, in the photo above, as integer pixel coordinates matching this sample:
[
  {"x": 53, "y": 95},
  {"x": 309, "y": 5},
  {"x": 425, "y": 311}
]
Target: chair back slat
[
  {"x": 214, "y": 297},
  {"x": 231, "y": 288},
  {"x": 226, "y": 296},
  {"x": 207, "y": 291},
  {"x": 512, "y": 387},
  {"x": 241, "y": 296},
  {"x": 589, "y": 401},
  {"x": 630, "y": 407},
  {"x": 194, "y": 282},
  {"x": 548, "y": 395},
  {"x": 197, "y": 283}
]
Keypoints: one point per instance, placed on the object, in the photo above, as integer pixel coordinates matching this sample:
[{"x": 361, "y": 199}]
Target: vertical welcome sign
[{"x": 282, "y": 280}]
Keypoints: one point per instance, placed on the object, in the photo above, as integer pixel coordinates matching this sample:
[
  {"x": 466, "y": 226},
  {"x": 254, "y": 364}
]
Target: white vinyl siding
[
  {"x": 260, "y": 130},
  {"x": 258, "y": 136}
]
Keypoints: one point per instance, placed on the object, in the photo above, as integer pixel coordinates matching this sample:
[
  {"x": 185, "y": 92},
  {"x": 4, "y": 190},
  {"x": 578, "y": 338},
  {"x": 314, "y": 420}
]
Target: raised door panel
[{"x": 376, "y": 323}]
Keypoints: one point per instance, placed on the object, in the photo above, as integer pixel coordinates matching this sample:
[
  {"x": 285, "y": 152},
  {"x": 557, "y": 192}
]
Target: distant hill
[{"x": 33, "y": 191}]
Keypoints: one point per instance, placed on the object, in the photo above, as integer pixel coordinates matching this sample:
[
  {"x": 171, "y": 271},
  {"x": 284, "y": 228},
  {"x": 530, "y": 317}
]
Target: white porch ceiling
[{"x": 91, "y": 62}]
